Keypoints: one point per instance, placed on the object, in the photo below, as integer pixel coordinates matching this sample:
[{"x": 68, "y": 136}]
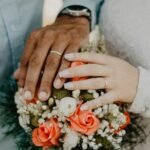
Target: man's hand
[{"x": 66, "y": 35}]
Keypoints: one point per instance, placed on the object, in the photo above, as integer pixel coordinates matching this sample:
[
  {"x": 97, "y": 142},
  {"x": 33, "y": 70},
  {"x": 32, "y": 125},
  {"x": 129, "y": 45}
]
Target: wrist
[
  {"x": 81, "y": 20},
  {"x": 79, "y": 14}
]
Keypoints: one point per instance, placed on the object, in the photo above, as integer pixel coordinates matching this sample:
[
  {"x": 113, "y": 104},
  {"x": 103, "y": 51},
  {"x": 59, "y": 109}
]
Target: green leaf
[
  {"x": 60, "y": 93},
  {"x": 86, "y": 96}
]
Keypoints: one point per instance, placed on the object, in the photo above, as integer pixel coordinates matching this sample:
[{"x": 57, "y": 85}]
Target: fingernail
[
  {"x": 64, "y": 73},
  {"x": 43, "y": 96},
  {"x": 68, "y": 86},
  {"x": 84, "y": 107},
  {"x": 69, "y": 56},
  {"x": 27, "y": 95},
  {"x": 57, "y": 83}
]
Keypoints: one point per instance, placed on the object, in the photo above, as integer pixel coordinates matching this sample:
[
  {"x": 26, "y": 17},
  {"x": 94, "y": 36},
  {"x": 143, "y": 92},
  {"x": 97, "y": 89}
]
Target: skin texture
[
  {"x": 116, "y": 76},
  {"x": 66, "y": 35}
]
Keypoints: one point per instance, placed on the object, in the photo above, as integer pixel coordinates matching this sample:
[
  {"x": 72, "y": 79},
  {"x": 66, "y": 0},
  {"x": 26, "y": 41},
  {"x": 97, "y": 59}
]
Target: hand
[
  {"x": 116, "y": 76},
  {"x": 66, "y": 35}
]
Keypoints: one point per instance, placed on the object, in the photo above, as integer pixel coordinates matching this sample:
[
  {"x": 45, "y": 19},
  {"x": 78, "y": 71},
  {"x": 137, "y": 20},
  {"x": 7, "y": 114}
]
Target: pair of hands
[
  {"x": 65, "y": 36},
  {"x": 39, "y": 66}
]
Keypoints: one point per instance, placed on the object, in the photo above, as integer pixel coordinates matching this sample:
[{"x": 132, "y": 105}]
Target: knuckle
[
  {"x": 62, "y": 37},
  {"x": 50, "y": 33},
  {"x": 35, "y": 61},
  {"x": 34, "y": 34},
  {"x": 47, "y": 34}
]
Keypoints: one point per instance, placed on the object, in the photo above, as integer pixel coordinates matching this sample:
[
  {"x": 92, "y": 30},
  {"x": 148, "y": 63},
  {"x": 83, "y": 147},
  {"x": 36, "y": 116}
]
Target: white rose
[{"x": 67, "y": 106}]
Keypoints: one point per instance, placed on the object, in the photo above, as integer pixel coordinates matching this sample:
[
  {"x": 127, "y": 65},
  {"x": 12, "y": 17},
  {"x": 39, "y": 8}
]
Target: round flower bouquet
[{"x": 59, "y": 123}]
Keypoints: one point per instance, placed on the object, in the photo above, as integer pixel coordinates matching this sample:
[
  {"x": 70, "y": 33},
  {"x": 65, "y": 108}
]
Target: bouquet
[{"x": 59, "y": 123}]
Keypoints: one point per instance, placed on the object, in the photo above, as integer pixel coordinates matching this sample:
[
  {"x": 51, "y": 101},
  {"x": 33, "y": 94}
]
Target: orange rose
[
  {"x": 47, "y": 134},
  {"x": 75, "y": 64},
  {"x": 84, "y": 122}
]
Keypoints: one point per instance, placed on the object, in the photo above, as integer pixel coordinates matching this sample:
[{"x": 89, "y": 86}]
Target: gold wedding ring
[
  {"x": 56, "y": 52},
  {"x": 106, "y": 84}
]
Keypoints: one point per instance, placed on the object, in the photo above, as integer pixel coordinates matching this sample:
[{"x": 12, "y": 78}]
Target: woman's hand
[{"x": 116, "y": 76}]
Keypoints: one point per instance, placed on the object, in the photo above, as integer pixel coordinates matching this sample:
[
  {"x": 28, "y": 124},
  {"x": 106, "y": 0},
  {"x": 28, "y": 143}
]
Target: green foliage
[
  {"x": 136, "y": 132},
  {"x": 9, "y": 117},
  {"x": 86, "y": 96},
  {"x": 106, "y": 144},
  {"x": 59, "y": 94}
]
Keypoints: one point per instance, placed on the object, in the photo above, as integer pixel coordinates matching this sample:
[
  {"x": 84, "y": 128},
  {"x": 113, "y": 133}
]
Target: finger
[
  {"x": 35, "y": 65},
  {"x": 89, "y": 84},
  {"x": 59, "y": 82},
  {"x": 16, "y": 74},
  {"x": 88, "y": 57},
  {"x": 28, "y": 50},
  {"x": 22, "y": 77},
  {"x": 85, "y": 70},
  {"x": 107, "y": 98},
  {"x": 52, "y": 64},
  {"x": 30, "y": 46}
]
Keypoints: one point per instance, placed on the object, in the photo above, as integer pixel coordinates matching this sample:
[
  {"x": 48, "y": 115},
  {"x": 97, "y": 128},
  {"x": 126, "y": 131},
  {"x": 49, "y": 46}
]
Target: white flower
[
  {"x": 45, "y": 114},
  {"x": 117, "y": 146},
  {"x": 90, "y": 137},
  {"x": 99, "y": 145},
  {"x": 91, "y": 91},
  {"x": 51, "y": 101},
  {"x": 41, "y": 120},
  {"x": 110, "y": 137},
  {"x": 114, "y": 109},
  {"x": 44, "y": 107},
  {"x": 123, "y": 132},
  {"x": 92, "y": 144},
  {"x": 76, "y": 93},
  {"x": 19, "y": 100},
  {"x": 24, "y": 121},
  {"x": 95, "y": 95},
  {"x": 67, "y": 106},
  {"x": 95, "y": 147},
  {"x": 84, "y": 146},
  {"x": 119, "y": 140},
  {"x": 71, "y": 140}
]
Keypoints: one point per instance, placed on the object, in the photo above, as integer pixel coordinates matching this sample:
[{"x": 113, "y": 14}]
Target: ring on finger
[
  {"x": 56, "y": 52},
  {"x": 106, "y": 83}
]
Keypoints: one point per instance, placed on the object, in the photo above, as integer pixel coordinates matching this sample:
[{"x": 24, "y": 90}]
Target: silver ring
[
  {"x": 56, "y": 52},
  {"x": 106, "y": 84}
]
